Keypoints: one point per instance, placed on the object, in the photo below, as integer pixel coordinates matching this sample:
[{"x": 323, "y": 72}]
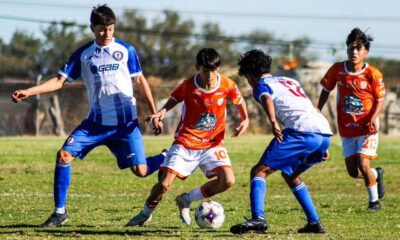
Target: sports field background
[{"x": 102, "y": 198}]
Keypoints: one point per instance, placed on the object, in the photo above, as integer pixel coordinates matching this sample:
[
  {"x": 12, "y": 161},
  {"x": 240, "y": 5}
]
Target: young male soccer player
[
  {"x": 107, "y": 65},
  {"x": 359, "y": 103},
  {"x": 199, "y": 136},
  {"x": 302, "y": 144}
]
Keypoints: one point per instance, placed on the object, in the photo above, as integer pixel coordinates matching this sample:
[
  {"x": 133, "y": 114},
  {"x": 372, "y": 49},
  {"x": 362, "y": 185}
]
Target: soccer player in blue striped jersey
[
  {"x": 303, "y": 143},
  {"x": 107, "y": 66}
]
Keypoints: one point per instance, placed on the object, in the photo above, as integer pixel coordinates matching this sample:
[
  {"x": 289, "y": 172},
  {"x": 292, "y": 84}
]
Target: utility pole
[{"x": 37, "y": 106}]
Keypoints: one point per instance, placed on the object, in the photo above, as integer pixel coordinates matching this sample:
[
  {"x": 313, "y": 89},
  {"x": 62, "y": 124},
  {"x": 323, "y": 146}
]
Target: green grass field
[{"x": 102, "y": 198}]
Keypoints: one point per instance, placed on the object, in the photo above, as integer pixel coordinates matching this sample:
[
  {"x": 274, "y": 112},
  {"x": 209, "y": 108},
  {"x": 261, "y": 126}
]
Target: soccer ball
[{"x": 210, "y": 214}]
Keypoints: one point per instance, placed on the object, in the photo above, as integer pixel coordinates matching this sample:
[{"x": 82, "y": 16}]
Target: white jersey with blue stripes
[
  {"x": 106, "y": 72},
  {"x": 293, "y": 109}
]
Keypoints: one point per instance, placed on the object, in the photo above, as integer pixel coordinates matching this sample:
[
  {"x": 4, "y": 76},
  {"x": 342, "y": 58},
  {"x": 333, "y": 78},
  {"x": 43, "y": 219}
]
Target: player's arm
[
  {"x": 374, "y": 118},
  {"x": 268, "y": 105},
  {"x": 160, "y": 114},
  {"x": 244, "y": 123},
  {"x": 323, "y": 97},
  {"x": 51, "y": 85}
]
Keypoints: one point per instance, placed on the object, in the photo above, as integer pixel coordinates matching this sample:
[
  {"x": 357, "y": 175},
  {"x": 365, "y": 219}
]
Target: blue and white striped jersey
[
  {"x": 107, "y": 72},
  {"x": 292, "y": 107}
]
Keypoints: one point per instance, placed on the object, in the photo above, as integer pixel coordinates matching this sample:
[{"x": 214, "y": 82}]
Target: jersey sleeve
[
  {"x": 135, "y": 69},
  {"x": 179, "y": 93},
  {"x": 379, "y": 86},
  {"x": 234, "y": 93},
  {"x": 72, "y": 69},
  {"x": 261, "y": 90},
  {"x": 329, "y": 81}
]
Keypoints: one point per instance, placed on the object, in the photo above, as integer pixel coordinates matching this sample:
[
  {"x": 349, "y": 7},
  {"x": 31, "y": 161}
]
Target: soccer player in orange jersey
[
  {"x": 199, "y": 138},
  {"x": 359, "y": 103}
]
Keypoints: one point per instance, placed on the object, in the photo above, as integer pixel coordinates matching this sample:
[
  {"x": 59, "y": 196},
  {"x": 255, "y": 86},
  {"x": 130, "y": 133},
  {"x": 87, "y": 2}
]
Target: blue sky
[{"x": 326, "y": 23}]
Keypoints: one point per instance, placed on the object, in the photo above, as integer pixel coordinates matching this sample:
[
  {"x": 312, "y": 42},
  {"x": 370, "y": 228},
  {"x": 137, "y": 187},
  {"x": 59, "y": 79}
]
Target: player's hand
[
  {"x": 19, "y": 95},
  {"x": 241, "y": 128},
  {"x": 157, "y": 127},
  {"x": 326, "y": 156},
  {"x": 373, "y": 125},
  {"x": 276, "y": 131}
]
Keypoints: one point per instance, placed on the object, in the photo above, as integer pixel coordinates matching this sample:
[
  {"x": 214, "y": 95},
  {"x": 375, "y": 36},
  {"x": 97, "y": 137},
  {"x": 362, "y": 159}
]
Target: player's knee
[
  {"x": 64, "y": 157},
  {"x": 139, "y": 170},
  {"x": 228, "y": 183},
  {"x": 164, "y": 187}
]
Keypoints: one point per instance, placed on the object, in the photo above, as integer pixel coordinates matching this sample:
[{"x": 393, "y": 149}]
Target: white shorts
[
  {"x": 364, "y": 146},
  {"x": 183, "y": 162}
]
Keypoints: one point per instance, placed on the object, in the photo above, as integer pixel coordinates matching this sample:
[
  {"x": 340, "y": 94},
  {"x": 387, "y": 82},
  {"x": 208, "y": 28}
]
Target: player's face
[
  {"x": 356, "y": 52},
  {"x": 103, "y": 34},
  {"x": 208, "y": 77}
]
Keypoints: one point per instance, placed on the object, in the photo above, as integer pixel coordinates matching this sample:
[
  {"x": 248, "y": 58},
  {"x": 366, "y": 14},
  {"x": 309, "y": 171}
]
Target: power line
[
  {"x": 392, "y": 49},
  {"x": 219, "y": 13}
]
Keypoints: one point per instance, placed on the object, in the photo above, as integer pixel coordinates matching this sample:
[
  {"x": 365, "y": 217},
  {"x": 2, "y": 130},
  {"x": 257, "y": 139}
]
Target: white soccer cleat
[
  {"x": 139, "y": 220},
  {"x": 184, "y": 208}
]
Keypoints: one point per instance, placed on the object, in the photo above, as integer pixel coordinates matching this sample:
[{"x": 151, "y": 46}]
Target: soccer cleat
[
  {"x": 315, "y": 227},
  {"x": 184, "y": 208},
  {"x": 55, "y": 220},
  {"x": 139, "y": 220},
  {"x": 374, "y": 206},
  {"x": 258, "y": 225},
  {"x": 379, "y": 180}
]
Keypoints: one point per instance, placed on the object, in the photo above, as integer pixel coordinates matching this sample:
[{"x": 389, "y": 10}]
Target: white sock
[
  {"x": 59, "y": 210},
  {"x": 195, "y": 195},
  {"x": 374, "y": 172},
  {"x": 147, "y": 211},
  {"x": 373, "y": 193}
]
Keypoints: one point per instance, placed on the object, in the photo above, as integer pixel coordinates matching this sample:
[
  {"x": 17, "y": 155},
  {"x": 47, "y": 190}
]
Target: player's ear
[{"x": 92, "y": 27}]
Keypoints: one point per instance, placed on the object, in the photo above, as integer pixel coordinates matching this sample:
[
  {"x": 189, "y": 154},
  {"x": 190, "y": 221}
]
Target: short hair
[
  {"x": 356, "y": 35},
  {"x": 254, "y": 62},
  {"x": 208, "y": 58},
  {"x": 102, "y": 15}
]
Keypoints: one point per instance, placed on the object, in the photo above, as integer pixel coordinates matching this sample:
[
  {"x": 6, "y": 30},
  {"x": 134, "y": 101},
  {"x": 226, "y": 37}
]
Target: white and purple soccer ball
[{"x": 210, "y": 214}]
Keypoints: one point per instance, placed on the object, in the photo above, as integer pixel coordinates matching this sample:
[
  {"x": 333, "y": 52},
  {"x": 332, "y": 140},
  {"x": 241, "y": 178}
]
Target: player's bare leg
[{"x": 165, "y": 182}]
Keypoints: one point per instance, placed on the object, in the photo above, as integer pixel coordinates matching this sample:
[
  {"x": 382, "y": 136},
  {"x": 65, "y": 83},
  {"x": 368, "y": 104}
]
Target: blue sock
[
  {"x": 62, "y": 179},
  {"x": 154, "y": 162},
  {"x": 258, "y": 188},
  {"x": 304, "y": 198}
]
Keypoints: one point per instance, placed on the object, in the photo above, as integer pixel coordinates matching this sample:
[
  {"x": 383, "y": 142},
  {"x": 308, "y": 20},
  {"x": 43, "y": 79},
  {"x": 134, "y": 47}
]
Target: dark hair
[
  {"x": 102, "y": 15},
  {"x": 356, "y": 35},
  {"x": 254, "y": 62},
  {"x": 208, "y": 58}
]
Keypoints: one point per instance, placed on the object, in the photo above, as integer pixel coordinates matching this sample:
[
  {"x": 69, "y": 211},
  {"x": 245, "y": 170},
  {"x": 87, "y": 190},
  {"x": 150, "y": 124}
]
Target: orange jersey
[
  {"x": 202, "y": 124},
  {"x": 358, "y": 94}
]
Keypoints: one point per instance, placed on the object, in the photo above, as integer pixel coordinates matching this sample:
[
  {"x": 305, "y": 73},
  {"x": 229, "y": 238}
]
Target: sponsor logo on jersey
[
  {"x": 118, "y": 55},
  {"x": 108, "y": 67}
]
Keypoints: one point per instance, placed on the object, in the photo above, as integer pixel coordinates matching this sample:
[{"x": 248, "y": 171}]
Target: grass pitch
[{"x": 102, "y": 198}]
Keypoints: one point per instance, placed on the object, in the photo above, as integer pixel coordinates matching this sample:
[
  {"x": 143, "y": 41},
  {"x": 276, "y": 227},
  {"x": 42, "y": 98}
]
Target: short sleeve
[
  {"x": 329, "y": 81},
  {"x": 179, "y": 93},
  {"x": 234, "y": 93},
  {"x": 379, "y": 86},
  {"x": 72, "y": 69},
  {"x": 260, "y": 90},
  {"x": 134, "y": 66}
]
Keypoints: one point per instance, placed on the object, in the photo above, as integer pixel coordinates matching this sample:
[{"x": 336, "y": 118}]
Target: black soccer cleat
[
  {"x": 258, "y": 225},
  {"x": 379, "y": 180},
  {"x": 55, "y": 220},
  {"x": 315, "y": 227},
  {"x": 374, "y": 206}
]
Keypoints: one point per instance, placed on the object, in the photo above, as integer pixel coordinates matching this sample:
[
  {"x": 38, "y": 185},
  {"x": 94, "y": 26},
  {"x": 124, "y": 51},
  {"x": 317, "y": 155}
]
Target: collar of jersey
[
  {"x": 205, "y": 90},
  {"x": 267, "y": 76},
  {"x": 97, "y": 45},
  {"x": 355, "y": 73}
]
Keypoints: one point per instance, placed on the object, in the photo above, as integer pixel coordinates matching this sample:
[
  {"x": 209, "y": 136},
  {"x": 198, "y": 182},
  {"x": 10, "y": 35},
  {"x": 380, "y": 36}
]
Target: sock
[
  {"x": 373, "y": 193},
  {"x": 258, "y": 189},
  {"x": 374, "y": 172},
  {"x": 62, "y": 180},
  {"x": 303, "y": 197},
  {"x": 194, "y": 195},
  {"x": 154, "y": 162},
  {"x": 59, "y": 210},
  {"x": 147, "y": 211}
]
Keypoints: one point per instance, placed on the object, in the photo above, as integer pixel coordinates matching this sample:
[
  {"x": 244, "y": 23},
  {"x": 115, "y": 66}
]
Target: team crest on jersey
[
  {"x": 220, "y": 101},
  {"x": 363, "y": 84},
  {"x": 118, "y": 55},
  {"x": 206, "y": 122}
]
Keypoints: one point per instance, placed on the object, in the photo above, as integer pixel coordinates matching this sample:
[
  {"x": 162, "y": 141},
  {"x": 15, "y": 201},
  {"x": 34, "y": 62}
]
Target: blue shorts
[
  {"x": 298, "y": 150},
  {"x": 125, "y": 142}
]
